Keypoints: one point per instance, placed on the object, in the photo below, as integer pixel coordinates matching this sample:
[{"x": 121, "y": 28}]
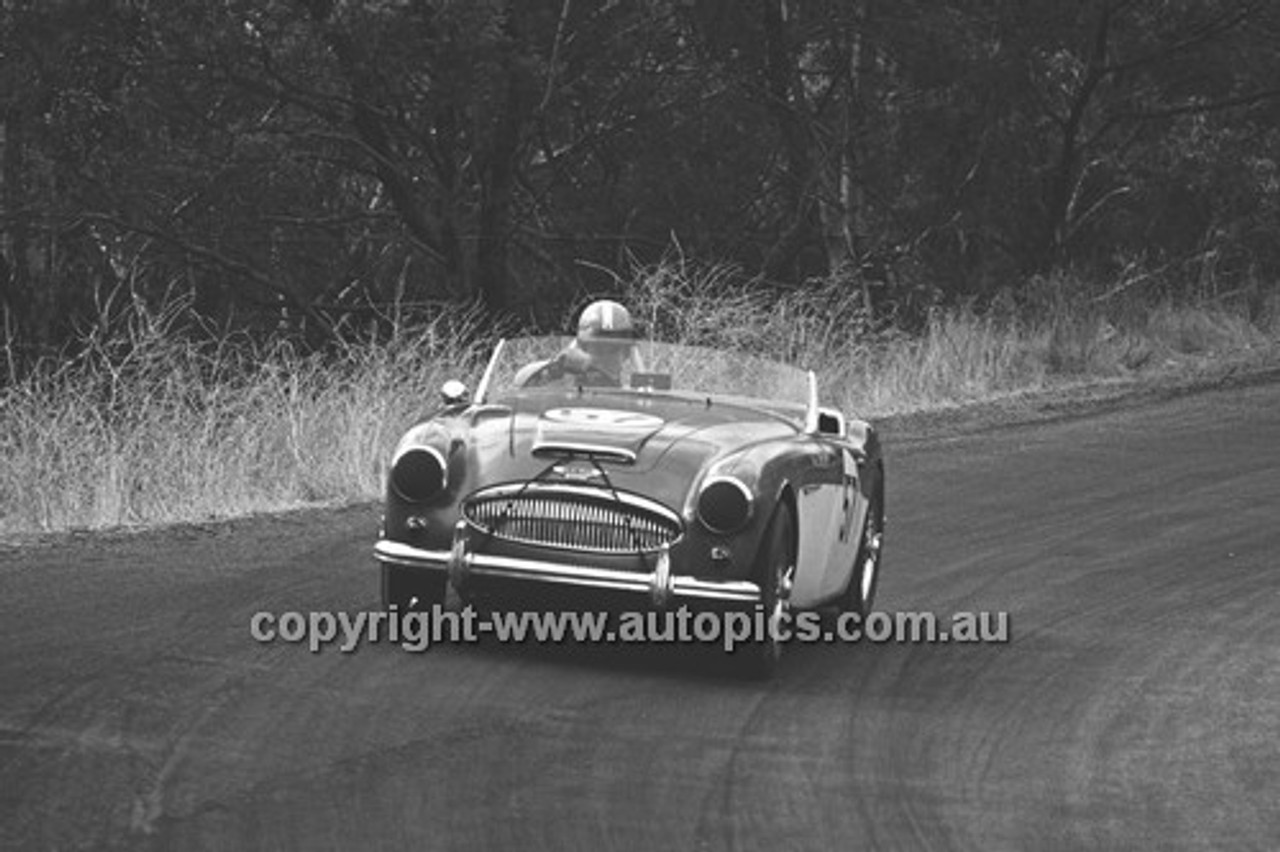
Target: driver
[{"x": 604, "y": 346}]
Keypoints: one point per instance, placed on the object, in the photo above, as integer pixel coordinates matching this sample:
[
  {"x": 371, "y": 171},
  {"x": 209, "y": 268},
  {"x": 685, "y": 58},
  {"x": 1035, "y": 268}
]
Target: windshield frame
[{"x": 805, "y": 401}]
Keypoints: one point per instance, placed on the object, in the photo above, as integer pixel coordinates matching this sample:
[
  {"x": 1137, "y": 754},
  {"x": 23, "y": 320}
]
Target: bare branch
[
  {"x": 1202, "y": 35},
  {"x": 218, "y": 259},
  {"x": 1205, "y": 107},
  {"x": 555, "y": 55}
]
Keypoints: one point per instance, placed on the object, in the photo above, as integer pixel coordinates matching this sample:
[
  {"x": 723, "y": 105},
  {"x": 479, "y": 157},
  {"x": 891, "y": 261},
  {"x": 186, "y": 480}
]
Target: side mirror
[{"x": 454, "y": 392}]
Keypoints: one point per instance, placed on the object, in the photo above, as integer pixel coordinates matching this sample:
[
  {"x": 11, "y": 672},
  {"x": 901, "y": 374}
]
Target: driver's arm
[
  {"x": 537, "y": 373},
  {"x": 540, "y": 372}
]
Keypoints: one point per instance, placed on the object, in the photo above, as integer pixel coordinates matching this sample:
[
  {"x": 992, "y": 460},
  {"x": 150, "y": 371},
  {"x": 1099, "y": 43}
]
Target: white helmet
[{"x": 605, "y": 321}]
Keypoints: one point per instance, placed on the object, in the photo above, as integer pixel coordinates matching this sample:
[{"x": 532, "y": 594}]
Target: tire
[
  {"x": 411, "y": 589},
  {"x": 867, "y": 565},
  {"x": 775, "y": 571}
]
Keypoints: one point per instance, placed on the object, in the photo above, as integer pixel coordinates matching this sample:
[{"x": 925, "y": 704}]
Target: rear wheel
[
  {"x": 412, "y": 588},
  {"x": 776, "y": 573}
]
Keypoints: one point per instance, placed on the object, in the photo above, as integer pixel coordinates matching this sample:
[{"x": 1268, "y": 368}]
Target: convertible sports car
[{"x": 710, "y": 479}]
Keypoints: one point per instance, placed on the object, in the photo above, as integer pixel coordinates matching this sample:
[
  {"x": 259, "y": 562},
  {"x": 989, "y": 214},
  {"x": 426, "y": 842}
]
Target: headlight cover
[
  {"x": 724, "y": 504},
  {"x": 419, "y": 473}
]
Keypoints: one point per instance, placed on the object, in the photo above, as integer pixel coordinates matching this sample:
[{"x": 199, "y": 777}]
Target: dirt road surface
[{"x": 1136, "y": 707}]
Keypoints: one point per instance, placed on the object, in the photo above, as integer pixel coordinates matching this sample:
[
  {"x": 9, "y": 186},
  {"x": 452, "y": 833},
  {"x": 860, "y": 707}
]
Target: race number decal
[
  {"x": 603, "y": 418},
  {"x": 848, "y": 497}
]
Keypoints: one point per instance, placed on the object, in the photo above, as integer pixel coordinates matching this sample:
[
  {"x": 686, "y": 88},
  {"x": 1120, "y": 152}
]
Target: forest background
[{"x": 293, "y": 212}]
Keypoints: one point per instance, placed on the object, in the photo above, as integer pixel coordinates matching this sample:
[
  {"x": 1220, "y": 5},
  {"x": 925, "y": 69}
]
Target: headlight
[
  {"x": 419, "y": 473},
  {"x": 724, "y": 504}
]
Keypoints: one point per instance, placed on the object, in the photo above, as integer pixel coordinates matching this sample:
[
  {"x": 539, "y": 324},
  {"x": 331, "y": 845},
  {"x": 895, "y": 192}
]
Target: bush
[{"x": 158, "y": 419}]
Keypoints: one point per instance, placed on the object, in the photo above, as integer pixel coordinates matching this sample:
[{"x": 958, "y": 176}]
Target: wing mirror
[{"x": 454, "y": 392}]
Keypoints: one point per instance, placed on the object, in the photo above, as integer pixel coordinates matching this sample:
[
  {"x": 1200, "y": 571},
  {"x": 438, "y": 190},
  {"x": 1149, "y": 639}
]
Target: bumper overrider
[{"x": 660, "y": 586}]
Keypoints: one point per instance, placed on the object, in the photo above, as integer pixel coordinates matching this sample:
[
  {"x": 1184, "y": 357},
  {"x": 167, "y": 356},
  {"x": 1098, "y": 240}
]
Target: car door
[
  {"x": 821, "y": 485},
  {"x": 846, "y": 533}
]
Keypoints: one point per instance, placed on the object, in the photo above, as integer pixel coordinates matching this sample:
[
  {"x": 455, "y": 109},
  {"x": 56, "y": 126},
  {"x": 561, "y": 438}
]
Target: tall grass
[
  {"x": 1062, "y": 331},
  {"x": 153, "y": 422},
  {"x": 149, "y": 423}
]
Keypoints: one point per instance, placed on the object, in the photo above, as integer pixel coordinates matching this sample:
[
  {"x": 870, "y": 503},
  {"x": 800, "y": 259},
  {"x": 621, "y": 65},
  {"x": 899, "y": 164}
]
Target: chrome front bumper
[{"x": 660, "y": 585}]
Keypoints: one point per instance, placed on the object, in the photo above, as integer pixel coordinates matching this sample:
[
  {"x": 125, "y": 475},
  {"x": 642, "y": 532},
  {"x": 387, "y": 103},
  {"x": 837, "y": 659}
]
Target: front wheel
[
  {"x": 412, "y": 589},
  {"x": 776, "y": 573},
  {"x": 865, "y": 575}
]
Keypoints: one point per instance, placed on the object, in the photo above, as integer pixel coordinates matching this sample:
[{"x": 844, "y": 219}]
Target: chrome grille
[{"x": 573, "y": 518}]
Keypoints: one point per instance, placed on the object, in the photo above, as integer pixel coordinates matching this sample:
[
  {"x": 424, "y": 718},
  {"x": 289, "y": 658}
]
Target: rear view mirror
[{"x": 651, "y": 381}]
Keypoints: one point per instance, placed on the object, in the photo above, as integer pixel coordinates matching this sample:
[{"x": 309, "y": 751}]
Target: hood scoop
[{"x": 602, "y": 433}]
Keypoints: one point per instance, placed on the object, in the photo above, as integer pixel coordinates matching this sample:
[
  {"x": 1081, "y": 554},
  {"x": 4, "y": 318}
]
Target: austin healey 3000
[{"x": 708, "y": 479}]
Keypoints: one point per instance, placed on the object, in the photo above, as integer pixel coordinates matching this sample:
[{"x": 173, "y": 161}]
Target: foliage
[
  {"x": 323, "y": 166},
  {"x": 158, "y": 419}
]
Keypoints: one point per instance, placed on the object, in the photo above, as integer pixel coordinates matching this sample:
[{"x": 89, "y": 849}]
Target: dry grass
[
  {"x": 151, "y": 423},
  {"x": 1062, "y": 333},
  {"x": 148, "y": 426}
]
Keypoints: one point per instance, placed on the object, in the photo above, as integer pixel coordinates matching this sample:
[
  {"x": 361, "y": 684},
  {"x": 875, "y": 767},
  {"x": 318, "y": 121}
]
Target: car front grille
[{"x": 573, "y": 518}]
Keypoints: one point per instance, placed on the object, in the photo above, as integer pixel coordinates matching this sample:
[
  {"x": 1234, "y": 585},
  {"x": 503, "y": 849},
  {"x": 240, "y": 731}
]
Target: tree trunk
[
  {"x": 15, "y": 262},
  {"x": 493, "y": 273},
  {"x": 1064, "y": 174},
  {"x": 788, "y": 113}
]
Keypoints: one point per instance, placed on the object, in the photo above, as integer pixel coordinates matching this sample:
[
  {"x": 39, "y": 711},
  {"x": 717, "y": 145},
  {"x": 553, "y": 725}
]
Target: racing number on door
[{"x": 848, "y": 497}]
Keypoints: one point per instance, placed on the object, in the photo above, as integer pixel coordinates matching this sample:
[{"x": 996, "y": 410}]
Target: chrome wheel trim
[
  {"x": 780, "y": 614},
  {"x": 869, "y": 564}
]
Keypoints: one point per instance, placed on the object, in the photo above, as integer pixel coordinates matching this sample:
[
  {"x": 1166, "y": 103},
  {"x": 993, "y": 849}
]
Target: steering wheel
[
  {"x": 591, "y": 371},
  {"x": 585, "y": 372}
]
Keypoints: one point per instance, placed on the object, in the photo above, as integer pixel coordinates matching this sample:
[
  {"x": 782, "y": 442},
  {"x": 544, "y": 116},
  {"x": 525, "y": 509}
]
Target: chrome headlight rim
[
  {"x": 741, "y": 517},
  {"x": 414, "y": 494}
]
